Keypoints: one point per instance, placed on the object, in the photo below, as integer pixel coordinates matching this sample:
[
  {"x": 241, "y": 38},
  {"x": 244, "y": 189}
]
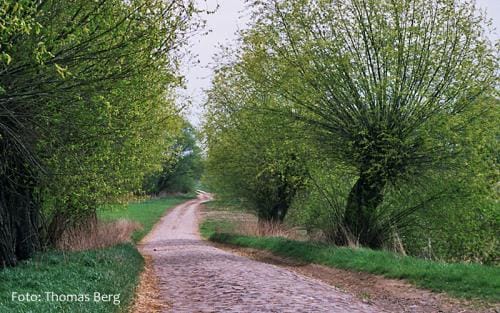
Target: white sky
[
  {"x": 223, "y": 25},
  {"x": 229, "y": 18}
]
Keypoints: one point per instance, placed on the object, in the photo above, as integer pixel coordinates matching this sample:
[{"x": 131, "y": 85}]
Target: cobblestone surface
[{"x": 197, "y": 277}]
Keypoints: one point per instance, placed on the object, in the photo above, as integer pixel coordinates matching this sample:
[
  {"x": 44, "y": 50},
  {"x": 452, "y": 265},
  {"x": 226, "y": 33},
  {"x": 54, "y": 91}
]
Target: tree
[
  {"x": 183, "y": 167},
  {"x": 250, "y": 155},
  {"x": 19, "y": 205},
  {"x": 369, "y": 77},
  {"x": 85, "y": 108}
]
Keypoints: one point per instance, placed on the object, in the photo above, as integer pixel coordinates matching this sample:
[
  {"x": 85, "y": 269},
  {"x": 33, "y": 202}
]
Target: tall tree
[
  {"x": 370, "y": 77},
  {"x": 85, "y": 106}
]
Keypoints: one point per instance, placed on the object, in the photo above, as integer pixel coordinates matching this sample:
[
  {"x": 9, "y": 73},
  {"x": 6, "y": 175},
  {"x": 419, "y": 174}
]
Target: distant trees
[
  {"x": 372, "y": 83},
  {"x": 182, "y": 168},
  {"x": 86, "y": 109}
]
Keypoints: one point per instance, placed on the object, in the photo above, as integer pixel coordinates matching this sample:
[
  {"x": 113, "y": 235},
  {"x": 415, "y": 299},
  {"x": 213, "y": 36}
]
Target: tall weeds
[{"x": 96, "y": 235}]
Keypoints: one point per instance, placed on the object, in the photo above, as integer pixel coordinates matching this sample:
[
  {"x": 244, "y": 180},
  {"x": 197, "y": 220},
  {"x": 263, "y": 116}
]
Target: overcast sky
[{"x": 229, "y": 18}]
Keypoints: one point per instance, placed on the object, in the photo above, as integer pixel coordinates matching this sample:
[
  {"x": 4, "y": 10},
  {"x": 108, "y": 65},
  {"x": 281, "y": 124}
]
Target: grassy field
[
  {"x": 461, "y": 280},
  {"x": 66, "y": 281}
]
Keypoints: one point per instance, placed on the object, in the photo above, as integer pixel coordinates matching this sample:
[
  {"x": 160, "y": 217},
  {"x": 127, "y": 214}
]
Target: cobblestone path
[{"x": 197, "y": 277}]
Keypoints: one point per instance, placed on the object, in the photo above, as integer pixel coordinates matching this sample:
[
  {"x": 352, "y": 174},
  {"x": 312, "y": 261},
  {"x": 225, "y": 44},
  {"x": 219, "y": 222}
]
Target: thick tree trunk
[
  {"x": 58, "y": 224},
  {"x": 275, "y": 214},
  {"x": 365, "y": 196},
  {"x": 26, "y": 228},
  {"x": 7, "y": 248},
  {"x": 19, "y": 227},
  {"x": 279, "y": 209},
  {"x": 19, "y": 211}
]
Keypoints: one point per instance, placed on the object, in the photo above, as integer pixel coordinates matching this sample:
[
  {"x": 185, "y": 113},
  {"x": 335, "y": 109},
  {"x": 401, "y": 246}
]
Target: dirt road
[{"x": 197, "y": 277}]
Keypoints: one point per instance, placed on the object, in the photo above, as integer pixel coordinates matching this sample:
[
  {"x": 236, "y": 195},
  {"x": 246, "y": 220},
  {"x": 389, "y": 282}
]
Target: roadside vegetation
[
  {"x": 182, "y": 172},
  {"x": 87, "y": 111},
  {"x": 88, "y": 114},
  {"x": 111, "y": 270},
  {"x": 371, "y": 126},
  {"x": 365, "y": 123},
  {"x": 471, "y": 281}
]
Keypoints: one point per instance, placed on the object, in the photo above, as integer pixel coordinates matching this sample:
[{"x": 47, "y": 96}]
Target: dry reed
[
  {"x": 267, "y": 229},
  {"x": 97, "y": 234}
]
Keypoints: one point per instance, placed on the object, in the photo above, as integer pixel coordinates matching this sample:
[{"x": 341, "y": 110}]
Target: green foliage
[
  {"x": 321, "y": 205},
  {"x": 108, "y": 271},
  {"x": 112, "y": 131},
  {"x": 471, "y": 208},
  {"x": 183, "y": 167},
  {"x": 392, "y": 104},
  {"x": 470, "y": 233},
  {"x": 449, "y": 214},
  {"x": 87, "y": 107},
  {"x": 249, "y": 155},
  {"x": 462, "y": 280},
  {"x": 367, "y": 78}
]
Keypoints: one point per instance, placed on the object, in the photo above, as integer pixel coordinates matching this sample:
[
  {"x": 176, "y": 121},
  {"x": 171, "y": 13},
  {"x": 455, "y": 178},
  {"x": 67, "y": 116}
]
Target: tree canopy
[
  {"x": 86, "y": 108},
  {"x": 386, "y": 91}
]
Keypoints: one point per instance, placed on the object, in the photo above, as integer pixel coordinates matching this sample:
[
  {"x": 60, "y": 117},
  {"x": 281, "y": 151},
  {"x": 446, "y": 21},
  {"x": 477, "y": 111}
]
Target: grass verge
[
  {"x": 72, "y": 278},
  {"x": 70, "y": 275},
  {"x": 461, "y": 280}
]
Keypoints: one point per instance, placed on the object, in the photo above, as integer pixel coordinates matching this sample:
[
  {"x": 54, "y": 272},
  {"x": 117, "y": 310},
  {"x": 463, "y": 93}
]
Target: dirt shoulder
[{"x": 147, "y": 298}]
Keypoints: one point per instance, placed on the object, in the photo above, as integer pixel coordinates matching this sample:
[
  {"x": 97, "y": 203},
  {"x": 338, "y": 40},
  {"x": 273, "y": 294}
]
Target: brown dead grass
[
  {"x": 97, "y": 235},
  {"x": 147, "y": 298},
  {"x": 250, "y": 227}
]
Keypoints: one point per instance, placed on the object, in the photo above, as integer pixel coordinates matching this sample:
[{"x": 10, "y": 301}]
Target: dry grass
[
  {"x": 247, "y": 224},
  {"x": 249, "y": 227},
  {"x": 96, "y": 235},
  {"x": 147, "y": 298}
]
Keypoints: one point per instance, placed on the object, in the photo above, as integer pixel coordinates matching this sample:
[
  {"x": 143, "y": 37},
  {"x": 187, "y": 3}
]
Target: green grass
[
  {"x": 112, "y": 270},
  {"x": 461, "y": 280},
  {"x": 107, "y": 271},
  {"x": 146, "y": 212}
]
